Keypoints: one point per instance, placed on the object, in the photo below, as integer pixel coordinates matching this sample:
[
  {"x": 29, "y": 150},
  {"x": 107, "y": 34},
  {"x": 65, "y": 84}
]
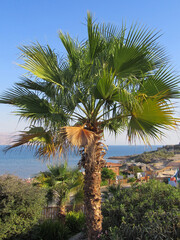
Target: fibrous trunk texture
[
  {"x": 93, "y": 162},
  {"x": 92, "y": 200},
  {"x": 62, "y": 213},
  {"x": 62, "y": 209}
]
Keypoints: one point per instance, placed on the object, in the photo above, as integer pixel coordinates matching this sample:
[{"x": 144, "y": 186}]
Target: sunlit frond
[
  {"x": 78, "y": 136},
  {"x": 95, "y": 40},
  {"x": 164, "y": 82},
  {"x": 42, "y": 62},
  {"x": 152, "y": 120},
  {"x": 72, "y": 49},
  {"x": 42, "y": 140}
]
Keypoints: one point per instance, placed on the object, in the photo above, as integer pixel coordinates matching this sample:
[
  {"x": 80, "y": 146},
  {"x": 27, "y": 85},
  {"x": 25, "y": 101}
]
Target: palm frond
[
  {"x": 137, "y": 53},
  {"x": 95, "y": 40},
  {"x": 77, "y": 136},
  {"x": 105, "y": 87},
  {"x": 44, "y": 141},
  {"x": 42, "y": 62},
  {"x": 31, "y": 106},
  {"x": 164, "y": 82},
  {"x": 155, "y": 116},
  {"x": 72, "y": 48}
]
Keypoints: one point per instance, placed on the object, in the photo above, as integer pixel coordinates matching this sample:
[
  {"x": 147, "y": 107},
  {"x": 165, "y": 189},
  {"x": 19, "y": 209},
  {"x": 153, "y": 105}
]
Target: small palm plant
[
  {"x": 61, "y": 182},
  {"x": 116, "y": 79}
]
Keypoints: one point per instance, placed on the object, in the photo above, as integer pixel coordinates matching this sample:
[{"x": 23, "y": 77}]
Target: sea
[{"x": 23, "y": 163}]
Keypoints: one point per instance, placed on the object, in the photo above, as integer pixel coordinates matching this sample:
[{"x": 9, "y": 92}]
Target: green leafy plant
[
  {"x": 21, "y": 206},
  {"x": 61, "y": 181},
  {"x": 104, "y": 183},
  {"x": 131, "y": 180},
  {"x": 53, "y": 230},
  {"x": 107, "y": 174},
  {"x": 75, "y": 221},
  {"x": 147, "y": 211}
]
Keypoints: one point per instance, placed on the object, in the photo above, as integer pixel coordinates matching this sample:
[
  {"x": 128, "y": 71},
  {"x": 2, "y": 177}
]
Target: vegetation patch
[
  {"x": 147, "y": 211},
  {"x": 21, "y": 206},
  {"x": 150, "y": 157},
  {"x": 107, "y": 174}
]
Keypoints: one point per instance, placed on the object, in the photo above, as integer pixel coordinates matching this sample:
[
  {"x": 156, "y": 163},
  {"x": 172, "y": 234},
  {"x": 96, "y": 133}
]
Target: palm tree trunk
[
  {"x": 92, "y": 191},
  {"x": 62, "y": 210},
  {"x": 62, "y": 213},
  {"x": 92, "y": 200}
]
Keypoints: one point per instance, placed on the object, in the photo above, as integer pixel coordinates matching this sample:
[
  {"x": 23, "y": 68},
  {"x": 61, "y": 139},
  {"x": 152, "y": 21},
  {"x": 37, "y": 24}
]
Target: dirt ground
[{"x": 173, "y": 162}]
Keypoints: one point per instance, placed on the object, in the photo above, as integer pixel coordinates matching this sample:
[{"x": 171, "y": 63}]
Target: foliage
[
  {"x": 61, "y": 181},
  {"x": 53, "y": 230},
  {"x": 20, "y": 206},
  {"x": 104, "y": 183},
  {"x": 135, "y": 169},
  {"x": 147, "y": 211},
  {"x": 124, "y": 174},
  {"x": 131, "y": 180},
  {"x": 108, "y": 174},
  {"x": 75, "y": 221},
  {"x": 149, "y": 157}
]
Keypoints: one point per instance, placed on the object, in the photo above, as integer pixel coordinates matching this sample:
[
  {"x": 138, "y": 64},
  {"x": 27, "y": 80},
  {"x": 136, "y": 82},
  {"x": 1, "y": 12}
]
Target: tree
[
  {"x": 61, "y": 182},
  {"x": 116, "y": 79},
  {"x": 107, "y": 174}
]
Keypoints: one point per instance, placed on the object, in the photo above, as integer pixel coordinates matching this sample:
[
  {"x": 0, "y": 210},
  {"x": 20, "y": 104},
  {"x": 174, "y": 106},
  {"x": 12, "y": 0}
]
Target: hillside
[{"x": 153, "y": 156}]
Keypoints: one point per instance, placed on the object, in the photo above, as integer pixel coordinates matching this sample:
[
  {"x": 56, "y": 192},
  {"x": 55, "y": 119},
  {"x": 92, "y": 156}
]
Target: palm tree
[
  {"x": 116, "y": 79},
  {"x": 61, "y": 182}
]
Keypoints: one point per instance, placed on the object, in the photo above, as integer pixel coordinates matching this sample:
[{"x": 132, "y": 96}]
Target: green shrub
[
  {"x": 147, "y": 211},
  {"x": 123, "y": 174},
  {"x": 20, "y": 206},
  {"x": 108, "y": 174},
  {"x": 104, "y": 183},
  {"x": 135, "y": 169},
  {"x": 75, "y": 221},
  {"x": 53, "y": 230},
  {"x": 131, "y": 180}
]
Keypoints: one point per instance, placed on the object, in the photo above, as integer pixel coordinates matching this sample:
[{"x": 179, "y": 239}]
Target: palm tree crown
[{"x": 61, "y": 182}]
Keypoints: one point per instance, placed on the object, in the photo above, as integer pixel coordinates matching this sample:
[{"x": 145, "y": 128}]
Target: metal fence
[
  {"x": 53, "y": 212},
  {"x": 50, "y": 213}
]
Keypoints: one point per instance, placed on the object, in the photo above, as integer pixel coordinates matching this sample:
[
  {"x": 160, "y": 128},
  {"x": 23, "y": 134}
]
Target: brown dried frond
[
  {"x": 22, "y": 139},
  {"x": 78, "y": 136}
]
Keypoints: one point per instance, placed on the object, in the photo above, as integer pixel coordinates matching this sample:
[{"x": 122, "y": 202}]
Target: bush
[
  {"x": 53, "y": 230},
  {"x": 108, "y": 174},
  {"x": 20, "y": 206},
  {"x": 104, "y": 183},
  {"x": 75, "y": 221},
  {"x": 147, "y": 211},
  {"x": 131, "y": 180}
]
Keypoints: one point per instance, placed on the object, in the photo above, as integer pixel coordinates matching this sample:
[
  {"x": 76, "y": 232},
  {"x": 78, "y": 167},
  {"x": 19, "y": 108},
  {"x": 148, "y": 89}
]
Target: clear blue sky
[{"x": 23, "y": 22}]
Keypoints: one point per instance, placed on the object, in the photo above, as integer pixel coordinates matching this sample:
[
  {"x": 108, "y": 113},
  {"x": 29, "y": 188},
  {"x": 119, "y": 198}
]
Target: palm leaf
[
  {"x": 95, "y": 40},
  {"x": 46, "y": 143},
  {"x": 155, "y": 116},
  {"x": 42, "y": 62},
  {"x": 164, "y": 82},
  {"x": 77, "y": 136}
]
